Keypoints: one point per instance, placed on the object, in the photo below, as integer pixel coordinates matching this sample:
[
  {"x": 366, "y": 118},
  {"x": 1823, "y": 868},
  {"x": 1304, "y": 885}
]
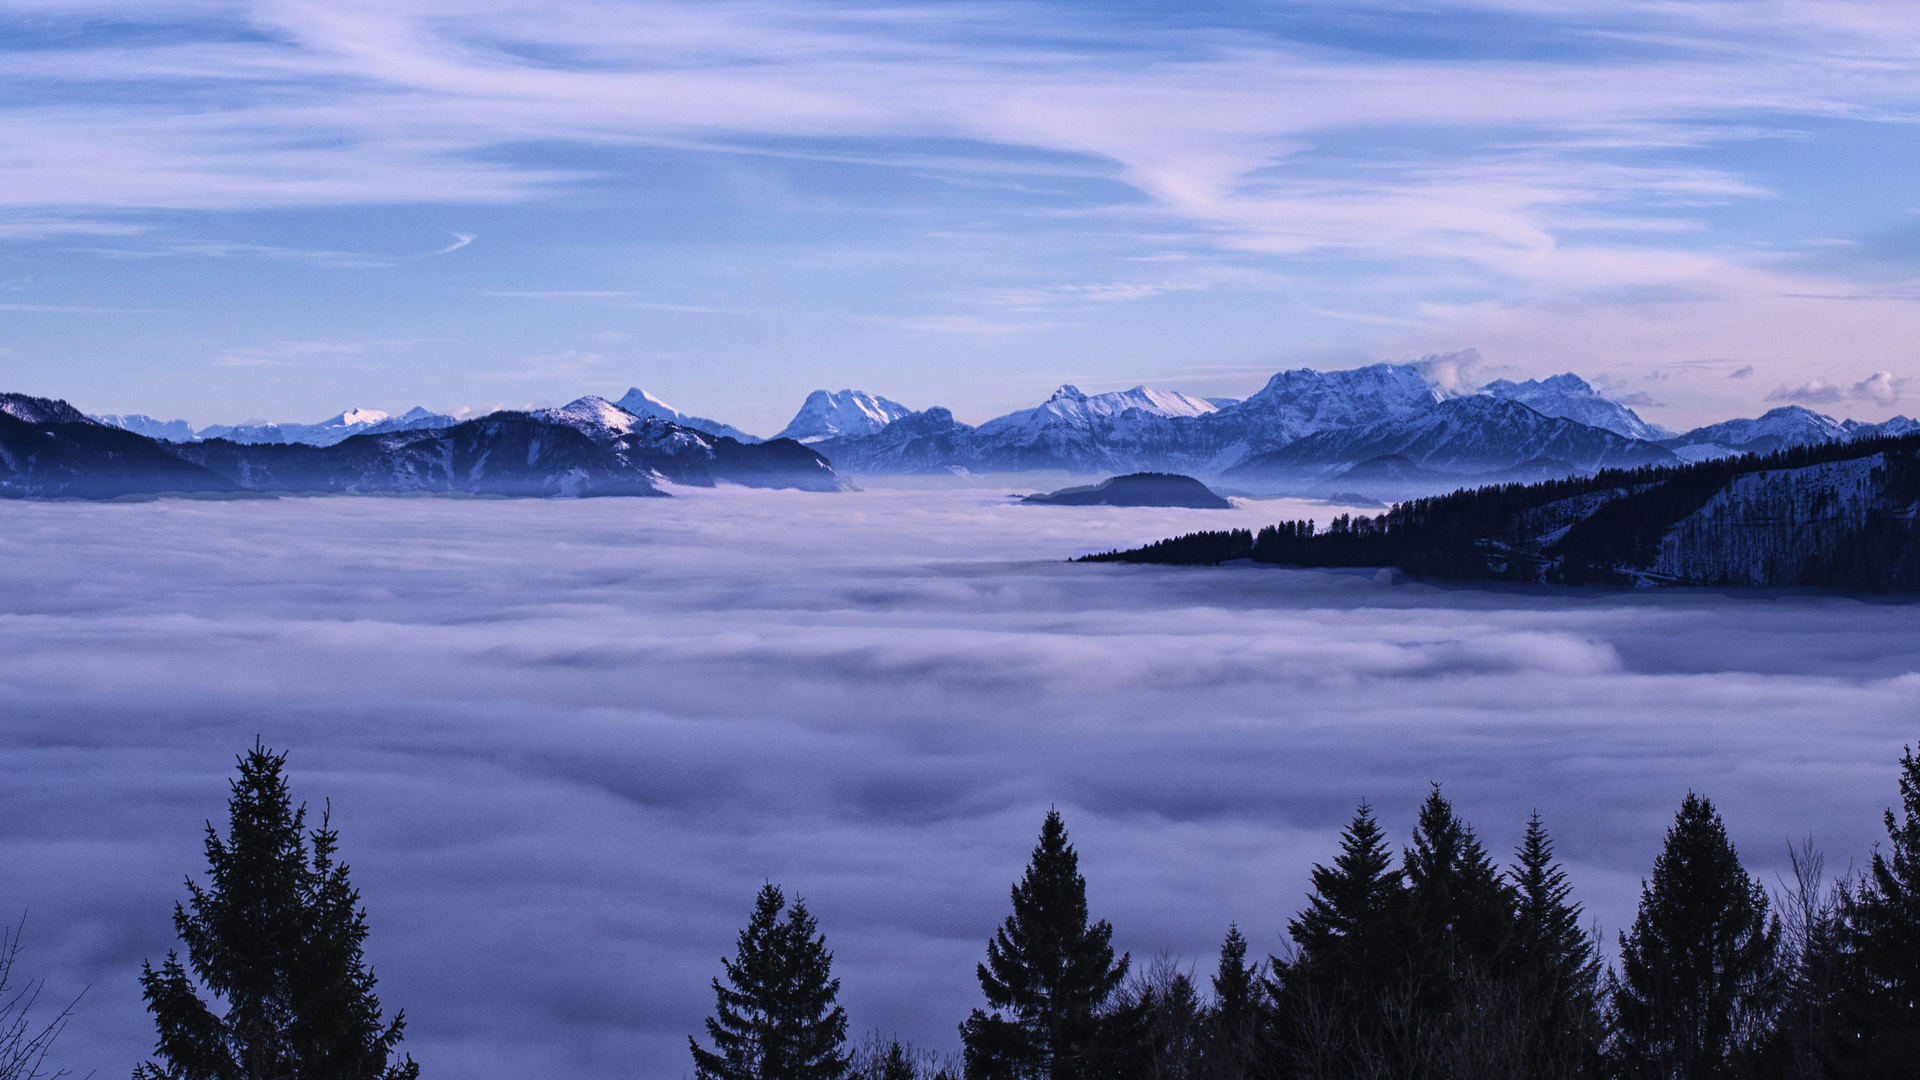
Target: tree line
[
  {"x": 1492, "y": 532},
  {"x": 1435, "y": 965}
]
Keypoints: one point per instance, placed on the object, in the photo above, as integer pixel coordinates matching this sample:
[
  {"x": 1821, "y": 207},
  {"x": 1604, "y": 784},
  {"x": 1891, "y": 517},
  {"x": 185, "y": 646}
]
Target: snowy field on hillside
[{"x": 565, "y": 742}]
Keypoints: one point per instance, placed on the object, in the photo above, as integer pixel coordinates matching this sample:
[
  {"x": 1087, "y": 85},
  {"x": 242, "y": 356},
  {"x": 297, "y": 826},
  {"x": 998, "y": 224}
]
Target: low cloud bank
[{"x": 565, "y": 742}]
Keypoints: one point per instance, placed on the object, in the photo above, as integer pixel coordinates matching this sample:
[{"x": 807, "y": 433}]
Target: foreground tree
[
  {"x": 1343, "y": 1000},
  {"x": 24, "y": 1041},
  {"x": 1049, "y": 977},
  {"x": 1555, "y": 962},
  {"x": 776, "y": 1017},
  {"x": 1699, "y": 977},
  {"x": 277, "y": 936},
  {"x": 1879, "y": 1032}
]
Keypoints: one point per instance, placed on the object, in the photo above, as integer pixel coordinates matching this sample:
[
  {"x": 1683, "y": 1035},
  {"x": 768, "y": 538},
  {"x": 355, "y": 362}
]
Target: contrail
[{"x": 460, "y": 240}]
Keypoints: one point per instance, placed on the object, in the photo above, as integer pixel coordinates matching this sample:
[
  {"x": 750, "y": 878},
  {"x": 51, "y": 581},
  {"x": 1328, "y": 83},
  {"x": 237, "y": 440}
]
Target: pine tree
[
  {"x": 1462, "y": 911},
  {"x": 776, "y": 1018},
  {"x": 1882, "y": 936},
  {"x": 277, "y": 935},
  {"x": 1335, "y": 1002},
  {"x": 1556, "y": 962},
  {"x": 1699, "y": 974},
  {"x": 1237, "y": 999},
  {"x": 1354, "y": 930},
  {"x": 1049, "y": 976}
]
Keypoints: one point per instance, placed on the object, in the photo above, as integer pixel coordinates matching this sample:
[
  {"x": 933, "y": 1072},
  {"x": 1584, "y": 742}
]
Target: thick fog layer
[{"x": 565, "y": 742}]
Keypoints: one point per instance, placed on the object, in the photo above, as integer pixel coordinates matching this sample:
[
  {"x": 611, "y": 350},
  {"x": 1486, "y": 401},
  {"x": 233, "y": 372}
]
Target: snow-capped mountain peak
[
  {"x": 853, "y": 413},
  {"x": 1573, "y": 398},
  {"x": 1775, "y": 429},
  {"x": 592, "y": 415},
  {"x": 640, "y": 403},
  {"x": 355, "y": 418},
  {"x": 1071, "y": 407}
]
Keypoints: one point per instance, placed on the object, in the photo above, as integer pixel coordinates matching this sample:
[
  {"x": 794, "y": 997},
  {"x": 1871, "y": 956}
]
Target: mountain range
[
  {"x": 1381, "y": 432},
  {"x": 588, "y": 447}
]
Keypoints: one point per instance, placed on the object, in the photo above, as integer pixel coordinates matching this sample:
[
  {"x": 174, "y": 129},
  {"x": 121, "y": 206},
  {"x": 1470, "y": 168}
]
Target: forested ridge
[
  {"x": 1431, "y": 963},
  {"x": 1840, "y": 515}
]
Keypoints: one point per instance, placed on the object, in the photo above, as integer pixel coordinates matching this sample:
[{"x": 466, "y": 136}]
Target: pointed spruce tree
[
  {"x": 1699, "y": 975},
  {"x": 1049, "y": 978},
  {"x": 776, "y": 1018},
  {"x": 1332, "y": 1008},
  {"x": 1354, "y": 932},
  {"x": 1238, "y": 996},
  {"x": 1555, "y": 961},
  {"x": 276, "y": 936},
  {"x": 1881, "y": 933},
  {"x": 1462, "y": 912}
]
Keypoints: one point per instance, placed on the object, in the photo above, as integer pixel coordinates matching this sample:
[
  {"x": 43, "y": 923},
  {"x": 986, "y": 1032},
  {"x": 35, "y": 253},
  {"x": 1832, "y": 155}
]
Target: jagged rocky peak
[
  {"x": 1305, "y": 400},
  {"x": 1071, "y": 407},
  {"x": 852, "y": 413},
  {"x": 142, "y": 424},
  {"x": 640, "y": 403},
  {"x": 1572, "y": 397}
]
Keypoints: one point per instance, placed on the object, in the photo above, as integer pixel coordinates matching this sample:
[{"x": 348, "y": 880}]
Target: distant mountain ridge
[
  {"x": 1383, "y": 431},
  {"x": 586, "y": 448}
]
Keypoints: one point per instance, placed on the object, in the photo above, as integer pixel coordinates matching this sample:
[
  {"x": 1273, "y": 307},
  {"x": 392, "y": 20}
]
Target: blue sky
[{"x": 224, "y": 211}]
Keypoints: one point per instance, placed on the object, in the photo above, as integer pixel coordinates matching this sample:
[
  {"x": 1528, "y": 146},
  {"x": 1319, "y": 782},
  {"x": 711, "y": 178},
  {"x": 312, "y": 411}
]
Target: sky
[
  {"x": 278, "y": 209},
  {"x": 565, "y": 742}
]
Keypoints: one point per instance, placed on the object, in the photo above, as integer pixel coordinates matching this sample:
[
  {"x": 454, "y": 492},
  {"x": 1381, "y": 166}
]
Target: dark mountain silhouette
[
  {"x": 1841, "y": 515},
  {"x": 1137, "y": 489},
  {"x": 49, "y": 450}
]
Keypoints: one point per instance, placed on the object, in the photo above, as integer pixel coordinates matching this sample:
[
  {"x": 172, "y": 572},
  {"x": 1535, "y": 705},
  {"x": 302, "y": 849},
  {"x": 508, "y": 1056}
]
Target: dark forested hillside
[{"x": 1836, "y": 514}]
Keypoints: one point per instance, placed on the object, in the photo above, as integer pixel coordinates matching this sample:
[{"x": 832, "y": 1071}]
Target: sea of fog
[{"x": 565, "y": 742}]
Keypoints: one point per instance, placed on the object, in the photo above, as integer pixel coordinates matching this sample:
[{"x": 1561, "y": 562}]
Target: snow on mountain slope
[
  {"x": 141, "y": 424},
  {"x": 1303, "y": 401},
  {"x": 1467, "y": 436},
  {"x": 1777, "y": 429},
  {"x": 1069, "y": 407},
  {"x": 1141, "y": 429},
  {"x": 592, "y": 416},
  {"x": 327, "y": 432},
  {"x": 640, "y": 403},
  {"x": 39, "y": 410},
  {"x": 1899, "y": 425},
  {"x": 1574, "y": 398},
  {"x": 853, "y": 413}
]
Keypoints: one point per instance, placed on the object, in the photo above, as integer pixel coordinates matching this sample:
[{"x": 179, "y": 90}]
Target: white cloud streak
[{"x": 566, "y": 741}]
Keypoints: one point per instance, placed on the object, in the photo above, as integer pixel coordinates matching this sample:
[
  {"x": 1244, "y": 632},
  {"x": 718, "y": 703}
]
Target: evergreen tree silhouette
[
  {"x": 1354, "y": 930},
  {"x": 277, "y": 935},
  {"x": 1238, "y": 996},
  {"x": 1556, "y": 961},
  {"x": 1049, "y": 976},
  {"x": 1698, "y": 972},
  {"x": 1881, "y": 1037},
  {"x": 1462, "y": 911},
  {"x": 776, "y": 1017},
  {"x": 1334, "y": 1012}
]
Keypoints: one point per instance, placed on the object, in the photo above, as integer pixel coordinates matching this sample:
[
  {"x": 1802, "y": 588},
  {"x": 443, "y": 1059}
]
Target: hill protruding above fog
[
  {"x": 1137, "y": 489},
  {"x": 1837, "y": 514}
]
